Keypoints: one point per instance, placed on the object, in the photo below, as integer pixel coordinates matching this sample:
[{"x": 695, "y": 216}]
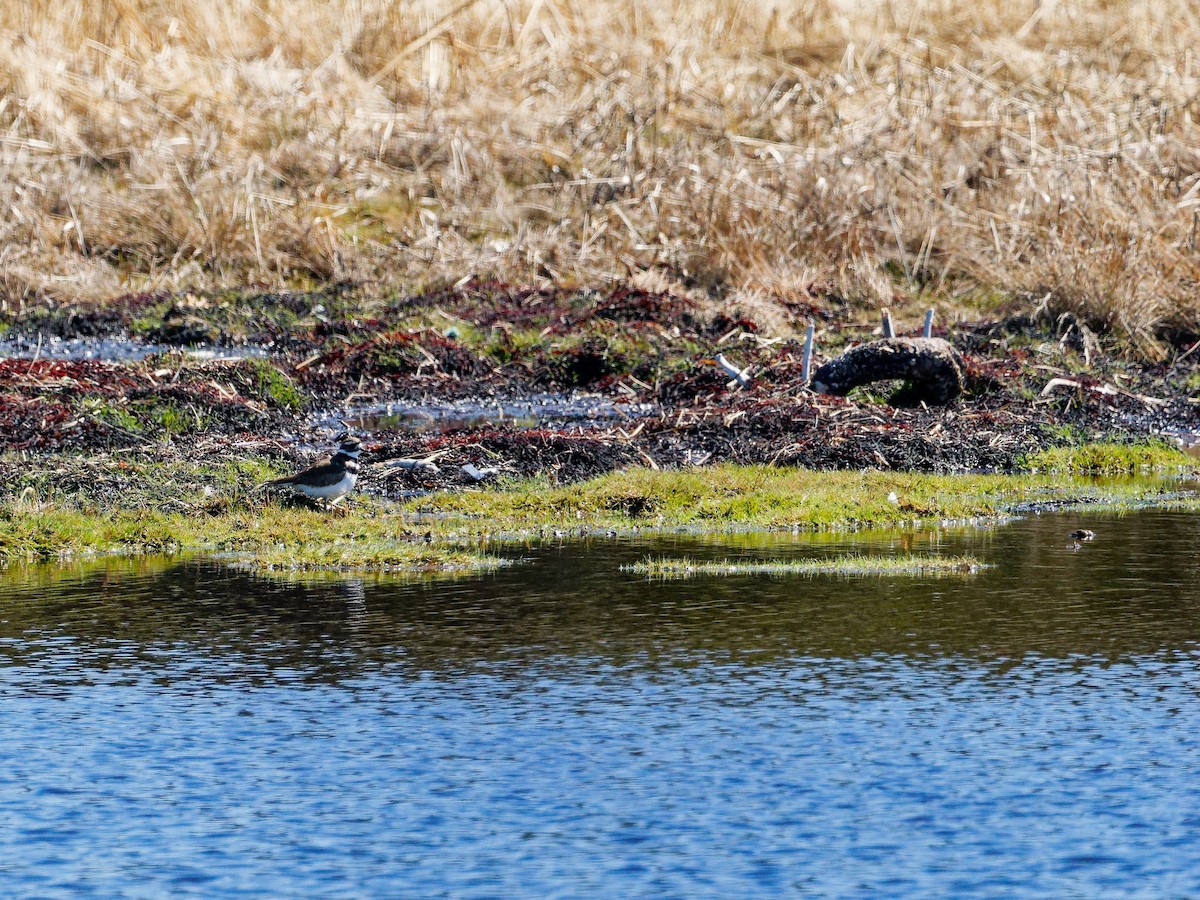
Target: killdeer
[{"x": 327, "y": 481}]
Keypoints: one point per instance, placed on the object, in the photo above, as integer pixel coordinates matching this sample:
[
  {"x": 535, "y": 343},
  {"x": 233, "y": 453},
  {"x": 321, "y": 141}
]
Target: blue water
[{"x": 563, "y": 730}]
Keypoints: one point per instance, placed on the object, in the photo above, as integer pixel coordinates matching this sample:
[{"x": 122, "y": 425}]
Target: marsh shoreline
[
  {"x": 551, "y": 392},
  {"x": 218, "y": 511}
]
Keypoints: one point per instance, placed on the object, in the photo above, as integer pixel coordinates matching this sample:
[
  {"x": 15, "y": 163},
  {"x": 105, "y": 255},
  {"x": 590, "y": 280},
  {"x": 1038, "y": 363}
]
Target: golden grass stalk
[{"x": 868, "y": 150}]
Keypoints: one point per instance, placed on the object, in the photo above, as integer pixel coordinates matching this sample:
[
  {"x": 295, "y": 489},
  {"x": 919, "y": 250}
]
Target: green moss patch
[
  {"x": 722, "y": 496},
  {"x": 1111, "y": 459}
]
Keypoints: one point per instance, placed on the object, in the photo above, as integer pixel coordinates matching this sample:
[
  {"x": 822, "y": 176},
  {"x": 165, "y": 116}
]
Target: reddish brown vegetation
[
  {"x": 89, "y": 405},
  {"x": 633, "y": 345}
]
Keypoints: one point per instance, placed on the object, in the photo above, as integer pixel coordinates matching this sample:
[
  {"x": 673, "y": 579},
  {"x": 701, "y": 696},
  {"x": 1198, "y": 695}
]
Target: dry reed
[{"x": 757, "y": 154}]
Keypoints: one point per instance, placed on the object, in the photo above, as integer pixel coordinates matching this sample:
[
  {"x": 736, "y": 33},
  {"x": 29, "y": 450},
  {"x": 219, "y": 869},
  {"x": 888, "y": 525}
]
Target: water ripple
[{"x": 174, "y": 728}]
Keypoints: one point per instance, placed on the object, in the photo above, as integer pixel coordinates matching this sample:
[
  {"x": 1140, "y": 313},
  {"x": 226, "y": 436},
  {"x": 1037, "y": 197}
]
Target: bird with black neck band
[{"x": 328, "y": 481}]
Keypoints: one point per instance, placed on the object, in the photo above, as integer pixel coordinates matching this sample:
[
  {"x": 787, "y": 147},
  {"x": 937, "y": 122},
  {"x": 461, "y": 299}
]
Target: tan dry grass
[{"x": 884, "y": 152}]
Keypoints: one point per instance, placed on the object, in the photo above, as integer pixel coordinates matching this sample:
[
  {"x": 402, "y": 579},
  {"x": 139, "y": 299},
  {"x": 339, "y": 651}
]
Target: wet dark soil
[{"x": 1028, "y": 384}]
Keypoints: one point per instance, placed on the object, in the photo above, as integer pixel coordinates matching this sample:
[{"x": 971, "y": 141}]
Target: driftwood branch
[
  {"x": 1105, "y": 390},
  {"x": 738, "y": 377},
  {"x": 931, "y": 369}
]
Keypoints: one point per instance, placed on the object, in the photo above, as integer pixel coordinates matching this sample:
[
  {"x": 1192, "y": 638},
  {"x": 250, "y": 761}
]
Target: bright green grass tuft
[
  {"x": 275, "y": 387},
  {"x": 1111, "y": 459}
]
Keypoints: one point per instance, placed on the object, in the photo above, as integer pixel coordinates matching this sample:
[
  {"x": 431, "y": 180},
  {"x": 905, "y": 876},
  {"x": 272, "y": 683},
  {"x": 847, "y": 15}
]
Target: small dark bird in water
[
  {"x": 1082, "y": 535},
  {"x": 327, "y": 481}
]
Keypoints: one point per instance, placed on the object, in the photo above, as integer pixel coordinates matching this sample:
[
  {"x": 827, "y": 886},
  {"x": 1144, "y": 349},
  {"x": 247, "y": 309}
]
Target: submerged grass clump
[
  {"x": 838, "y": 565},
  {"x": 370, "y": 555}
]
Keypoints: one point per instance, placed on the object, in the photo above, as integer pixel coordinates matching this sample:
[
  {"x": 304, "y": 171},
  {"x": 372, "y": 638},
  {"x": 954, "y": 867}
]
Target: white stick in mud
[
  {"x": 478, "y": 474},
  {"x": 806, "y": 360},
  {"x": 738, "y": 376}
]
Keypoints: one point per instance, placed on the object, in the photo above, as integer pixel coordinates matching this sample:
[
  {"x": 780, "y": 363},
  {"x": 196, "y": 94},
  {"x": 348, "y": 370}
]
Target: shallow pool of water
[
  {"x": 531, "y": 411},
  {"x": 174, "y": 728},
  {"x": 110, "y": 349}
]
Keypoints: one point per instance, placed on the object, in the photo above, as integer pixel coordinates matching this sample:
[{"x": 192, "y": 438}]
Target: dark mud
[{"x": 448, "y": 359}]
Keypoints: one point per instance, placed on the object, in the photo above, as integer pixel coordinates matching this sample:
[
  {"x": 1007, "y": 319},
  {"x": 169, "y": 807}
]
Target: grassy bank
[
  {"x": 268, "y": 536},
  {"x": 766, "y": 497},
  {"x": 453, "y": 531}
]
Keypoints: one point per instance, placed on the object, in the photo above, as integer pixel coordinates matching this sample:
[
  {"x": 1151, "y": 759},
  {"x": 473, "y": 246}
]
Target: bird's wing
[{"x": 323, "y": 473}]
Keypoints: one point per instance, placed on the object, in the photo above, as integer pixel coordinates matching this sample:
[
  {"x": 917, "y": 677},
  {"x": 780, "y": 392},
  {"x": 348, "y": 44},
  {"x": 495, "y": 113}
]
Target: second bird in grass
[{"x": 328, "y": 481}]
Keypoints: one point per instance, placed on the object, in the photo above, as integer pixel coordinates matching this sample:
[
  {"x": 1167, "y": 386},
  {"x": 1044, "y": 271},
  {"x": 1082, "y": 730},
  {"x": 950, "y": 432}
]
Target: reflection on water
[{"x": 561, "y": 727}]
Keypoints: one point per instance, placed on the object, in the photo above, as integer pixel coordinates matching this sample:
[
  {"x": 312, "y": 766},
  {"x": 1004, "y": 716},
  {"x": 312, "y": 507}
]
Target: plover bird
[{"x": 328, "y": 481}]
